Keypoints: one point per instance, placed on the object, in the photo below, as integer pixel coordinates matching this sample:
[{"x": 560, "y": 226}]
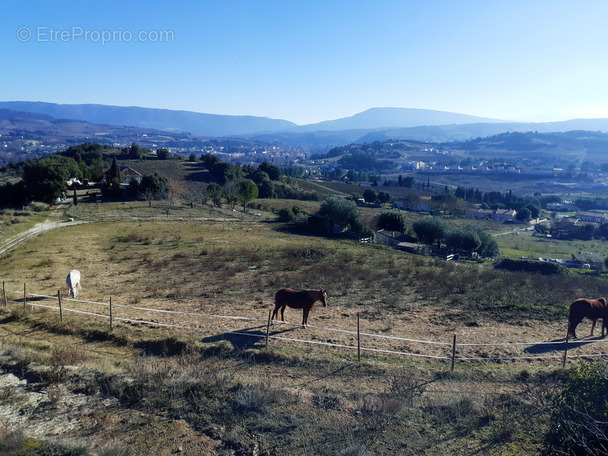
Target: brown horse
[
  {"x": 304, "y": 300},
  {"x": 587, "y": 308}
]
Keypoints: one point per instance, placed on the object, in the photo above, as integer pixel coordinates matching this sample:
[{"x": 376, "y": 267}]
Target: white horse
[{"x": 73, "y": 281}]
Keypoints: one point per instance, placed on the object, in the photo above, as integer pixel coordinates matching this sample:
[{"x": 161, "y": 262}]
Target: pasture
[{"x": 205, "y": 394}]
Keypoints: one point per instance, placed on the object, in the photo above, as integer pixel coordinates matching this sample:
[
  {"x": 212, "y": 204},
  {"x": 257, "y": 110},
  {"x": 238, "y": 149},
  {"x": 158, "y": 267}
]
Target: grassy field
[
  {"x": 524, "y": 244},
  {"x": 161, "y": 390}
]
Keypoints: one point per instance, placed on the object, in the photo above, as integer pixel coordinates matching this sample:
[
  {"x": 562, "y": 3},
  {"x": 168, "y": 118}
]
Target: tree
[
  {"x": 215, "y": 193},
  {"x": 247, "y": 192},
  {"x": 163, "y": 154},
  {"x": 429, "y": 230},
  {"x": 274, "y": 173},
  {"x": 135, "y": 152},
  {"x": 370, "y": 195},
  {"x": 523, "y": 214},
  {"x": 392, "y": 220},
  {"x": 384, "y": 197},
  {"x": 488, "y": 247},
  {"x": 462, "y": 239},
  {"x": 46, "y": 178},
  {"x": 114, "y": 172},
  {"x": 230, "y": 192},
  {"x": 342, "y": 211},
  {"x": 154, "y": 187}
]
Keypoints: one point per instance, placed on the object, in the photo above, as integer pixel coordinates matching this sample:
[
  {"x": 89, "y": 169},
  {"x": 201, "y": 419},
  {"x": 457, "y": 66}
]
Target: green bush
[{"x": 580, "y": 413}]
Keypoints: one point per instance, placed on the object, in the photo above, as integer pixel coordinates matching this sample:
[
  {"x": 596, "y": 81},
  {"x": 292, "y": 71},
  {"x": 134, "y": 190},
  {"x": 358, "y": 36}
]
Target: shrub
[{"x": 580, "y": 416}]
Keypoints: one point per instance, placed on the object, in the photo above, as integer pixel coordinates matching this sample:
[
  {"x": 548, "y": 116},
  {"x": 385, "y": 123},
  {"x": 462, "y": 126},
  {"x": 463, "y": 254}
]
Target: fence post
[
  {"x": 358, "y": 338},
  {"x": 268, "y": 326},
  {"x": 566, "y": 349},
  {"x": 24, "y": 297},
  {"x": 60, "y": 308},
  {"x": 453, "y": 352},
  {"x": 111, "y": 322}
]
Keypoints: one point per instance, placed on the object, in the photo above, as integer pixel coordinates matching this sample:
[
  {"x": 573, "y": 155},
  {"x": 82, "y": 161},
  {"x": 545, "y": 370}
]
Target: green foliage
[
  {"x": 285, "y": 212},
  {"x": 407, "y": 181},
  {"x": 489, "y": 246},
  {"x": 580, "y": 414},
  {"x": 370, "y": 195},
  {"x": 523, "y": 214},
  {"x": 215, "y": 193},
  {"x": 342, "y": 211},
  {"x": 247, "y": 192},
  {"x": 13, "y": 195},
  {"x": 154, "y": 186},
  {"x": 384, "y": 197},
  {"x": 392, "y": 220},
  {"x": 430, "y": 230},
  {"x": 274, "y": 173},
  {"x": 463, "y": 240},
  {"x": 114, "y": 172},
  {"x": 46, "y": 178},
  {"x": 294, "y": 171},
  {"x": 224, "y": 172},
  {"x": 163, "y": 154},
  {"x": 135, "y": 152}
]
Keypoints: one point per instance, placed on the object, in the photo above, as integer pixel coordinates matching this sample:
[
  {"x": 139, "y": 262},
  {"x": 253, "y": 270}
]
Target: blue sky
[{"x": 308, "y": 61}]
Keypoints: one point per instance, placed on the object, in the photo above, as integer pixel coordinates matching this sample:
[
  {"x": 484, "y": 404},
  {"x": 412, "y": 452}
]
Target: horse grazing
[
  {"x": 304, "y": 300},
  {"x": 73, "y": 281},
  {"x": 587, "y": 308}
]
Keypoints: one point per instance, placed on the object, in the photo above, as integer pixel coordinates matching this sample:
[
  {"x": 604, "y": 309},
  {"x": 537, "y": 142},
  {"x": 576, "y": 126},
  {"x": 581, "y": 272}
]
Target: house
[
  {"x": 126, "y": 174},
  {"x": 588, "y": 260},
  {"x": 504, "y": 215},
  {"x": 479, "y": 214},
  {"x": 595, "y": 217},
  {"x": 414, "y": 203}
]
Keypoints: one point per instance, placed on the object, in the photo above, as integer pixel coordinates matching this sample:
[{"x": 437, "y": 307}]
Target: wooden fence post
[
  {"x": 566, "y": 349},
  {"x": 268, "y": 326},
  {"x": 24, "y": 296},
  {"x": 60, "y": 308},
  {"x": 453, "y": 352},
  {"x": 358, "y": 338},
  {"x": 111, "y": 322}
]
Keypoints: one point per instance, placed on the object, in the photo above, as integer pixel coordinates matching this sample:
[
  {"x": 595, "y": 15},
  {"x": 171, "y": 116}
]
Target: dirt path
[{"x": 55, "y": 220}]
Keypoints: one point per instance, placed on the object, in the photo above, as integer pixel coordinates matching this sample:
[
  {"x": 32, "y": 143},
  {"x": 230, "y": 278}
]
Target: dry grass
[{"x": 287, "y": 399}]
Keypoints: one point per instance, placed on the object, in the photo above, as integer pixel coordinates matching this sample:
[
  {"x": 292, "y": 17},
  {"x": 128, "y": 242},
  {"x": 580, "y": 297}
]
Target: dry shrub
[
  {"x": 59, "y": 359},
  {"x": 46, "y": 263},
  {"x": 11, "y": 441},
  {"x": 405, "y": 387}
]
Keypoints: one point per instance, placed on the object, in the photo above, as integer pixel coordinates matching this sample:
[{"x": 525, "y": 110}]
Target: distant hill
[
  {"x": 383, "y": 118},
  {"x": 198, "y": 124}
]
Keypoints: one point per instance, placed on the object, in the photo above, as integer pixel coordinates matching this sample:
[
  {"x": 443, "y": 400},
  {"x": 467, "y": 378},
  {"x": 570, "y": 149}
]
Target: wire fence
[{"x": 319, "y": 336}]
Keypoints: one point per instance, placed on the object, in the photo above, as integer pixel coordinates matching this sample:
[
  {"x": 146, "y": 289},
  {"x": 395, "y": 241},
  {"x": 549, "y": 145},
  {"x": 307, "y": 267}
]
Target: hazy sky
[{"x": 307, "y": 61}]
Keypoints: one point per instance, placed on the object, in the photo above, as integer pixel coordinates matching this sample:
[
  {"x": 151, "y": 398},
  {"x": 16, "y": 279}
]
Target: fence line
[{"x": 336, "y": 345}]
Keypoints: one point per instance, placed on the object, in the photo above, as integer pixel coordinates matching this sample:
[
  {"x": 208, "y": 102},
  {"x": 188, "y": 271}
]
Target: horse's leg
[
  {"x": 283, "y": 313},
  {"x": 275, "y": 313},
  {"x": 593, "y": 326},
  {"x": 305, "y": 313}
]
